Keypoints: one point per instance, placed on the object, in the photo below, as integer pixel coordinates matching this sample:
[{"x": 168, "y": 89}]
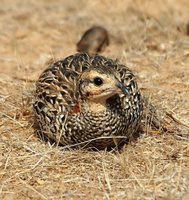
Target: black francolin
[{"x": 87, "y": 100}]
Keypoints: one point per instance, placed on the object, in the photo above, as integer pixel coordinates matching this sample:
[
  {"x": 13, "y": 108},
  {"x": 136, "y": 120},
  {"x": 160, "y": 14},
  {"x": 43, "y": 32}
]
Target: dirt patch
[{"x": 150, "y": 37}]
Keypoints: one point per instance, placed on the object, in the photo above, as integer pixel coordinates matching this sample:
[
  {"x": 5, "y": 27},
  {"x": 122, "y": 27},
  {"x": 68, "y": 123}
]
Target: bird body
[{"x": 87, "y": 100}]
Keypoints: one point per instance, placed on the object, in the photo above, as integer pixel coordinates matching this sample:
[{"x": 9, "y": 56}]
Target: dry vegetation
[{"x": 150, "y": 37}]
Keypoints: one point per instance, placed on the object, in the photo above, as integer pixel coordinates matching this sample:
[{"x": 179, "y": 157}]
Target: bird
[
  {"x": 93, "y": 40},
  {"x": 87, "y": 101}
]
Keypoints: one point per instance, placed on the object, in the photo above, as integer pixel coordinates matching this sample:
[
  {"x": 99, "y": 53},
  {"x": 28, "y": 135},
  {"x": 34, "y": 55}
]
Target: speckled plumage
[{"x": 73, "y": 107}]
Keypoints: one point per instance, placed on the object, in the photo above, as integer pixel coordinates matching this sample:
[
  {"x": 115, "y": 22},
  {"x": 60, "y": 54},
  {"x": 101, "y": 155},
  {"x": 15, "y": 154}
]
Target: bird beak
[{"x": 123, "y": 88}]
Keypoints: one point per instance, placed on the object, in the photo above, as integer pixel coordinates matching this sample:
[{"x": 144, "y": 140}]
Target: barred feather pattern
[{"x": 61, "y": 111}]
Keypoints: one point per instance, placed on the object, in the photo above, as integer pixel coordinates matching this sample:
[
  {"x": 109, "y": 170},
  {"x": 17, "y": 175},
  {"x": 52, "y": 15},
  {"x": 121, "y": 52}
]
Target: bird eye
[{"x": 98, "y": 81}]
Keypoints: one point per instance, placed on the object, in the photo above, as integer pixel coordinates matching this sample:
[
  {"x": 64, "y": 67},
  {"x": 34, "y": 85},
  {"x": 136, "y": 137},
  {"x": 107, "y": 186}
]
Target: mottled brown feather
[{"x": 66, "y": 111}]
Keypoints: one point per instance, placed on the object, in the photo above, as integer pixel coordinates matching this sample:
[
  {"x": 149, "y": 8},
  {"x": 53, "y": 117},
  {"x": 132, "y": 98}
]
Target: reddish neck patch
[{"x": 76, "y": 108}]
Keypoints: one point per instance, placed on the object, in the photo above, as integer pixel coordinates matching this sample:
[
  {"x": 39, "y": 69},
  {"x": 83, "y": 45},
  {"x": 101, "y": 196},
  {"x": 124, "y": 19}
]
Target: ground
[{"x": 150, "y": 37}]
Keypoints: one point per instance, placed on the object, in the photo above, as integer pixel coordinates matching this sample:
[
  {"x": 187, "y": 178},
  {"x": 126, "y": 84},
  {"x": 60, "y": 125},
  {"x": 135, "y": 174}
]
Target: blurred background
[{"x": 32, "y": 29}]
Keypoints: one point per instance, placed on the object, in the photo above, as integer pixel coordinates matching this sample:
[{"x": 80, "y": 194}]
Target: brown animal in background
[{"x": 93, "y": 40}]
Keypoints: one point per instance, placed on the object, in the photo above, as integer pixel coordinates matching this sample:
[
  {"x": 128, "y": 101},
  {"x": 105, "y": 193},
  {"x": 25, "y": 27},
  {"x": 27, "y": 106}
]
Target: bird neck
[{"x": 95, "y": 105}]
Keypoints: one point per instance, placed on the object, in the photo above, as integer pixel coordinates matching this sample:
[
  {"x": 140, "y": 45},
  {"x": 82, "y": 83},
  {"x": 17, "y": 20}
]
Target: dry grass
[{"x": 147, "y": 35}]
